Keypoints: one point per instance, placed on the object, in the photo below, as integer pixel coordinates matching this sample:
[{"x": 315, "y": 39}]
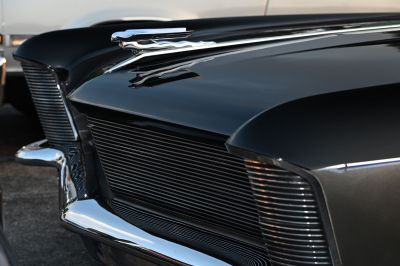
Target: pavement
[{"x": 30, "y": 201}]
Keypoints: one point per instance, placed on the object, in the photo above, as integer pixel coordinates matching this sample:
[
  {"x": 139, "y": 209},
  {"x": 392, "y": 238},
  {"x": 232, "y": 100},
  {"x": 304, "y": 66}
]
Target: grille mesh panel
[
  {"x": 230, "y": 250},
  {"x": 179, "y": 174},
  {"x": 289, "y": 216},
  {"x": 49, "y": 104}
]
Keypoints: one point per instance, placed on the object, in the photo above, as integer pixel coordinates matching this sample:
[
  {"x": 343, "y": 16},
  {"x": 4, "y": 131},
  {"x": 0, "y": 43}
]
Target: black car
[{"x": 244, "y": 141}]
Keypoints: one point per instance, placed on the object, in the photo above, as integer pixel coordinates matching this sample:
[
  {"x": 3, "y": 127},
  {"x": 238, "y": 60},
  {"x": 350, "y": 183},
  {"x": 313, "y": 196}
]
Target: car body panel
[{"x": 363, "y": 204}]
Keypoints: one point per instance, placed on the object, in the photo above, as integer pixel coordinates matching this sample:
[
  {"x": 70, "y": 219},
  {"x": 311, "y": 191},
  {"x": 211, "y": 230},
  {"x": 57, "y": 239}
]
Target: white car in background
[{"x": 22, "y": 19}]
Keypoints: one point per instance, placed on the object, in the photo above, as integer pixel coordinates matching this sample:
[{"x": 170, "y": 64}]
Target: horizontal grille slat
[
  {"x": 195, "y": 179},
  {"x": 185, "y": 183},
  {"x": 216, "y": 213},
  {"x": 232, "y": 251},
  {"x": 173, "y": 166},
  {"x": 168, "y": 190},
  {"x": 159, "y": 156},
  {"x": 289, "y": 216},
  {"x": 49, "y": 104},
  {"x": 168, "y": 138},
  {"x": 146, "y": 143}
]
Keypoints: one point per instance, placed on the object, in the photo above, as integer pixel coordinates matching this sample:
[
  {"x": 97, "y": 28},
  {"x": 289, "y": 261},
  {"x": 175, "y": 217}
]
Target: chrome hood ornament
[
  {"x": 163, "y": 41},
  {"x": 142, "y": 40}
]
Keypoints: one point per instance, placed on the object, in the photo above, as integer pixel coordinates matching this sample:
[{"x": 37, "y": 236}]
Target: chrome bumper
[{"x": 90, "y": 218}]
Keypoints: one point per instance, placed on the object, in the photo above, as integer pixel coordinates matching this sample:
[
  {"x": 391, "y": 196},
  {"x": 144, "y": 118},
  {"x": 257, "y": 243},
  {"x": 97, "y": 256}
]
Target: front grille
[
  {"x": 49, "y": 104},
  {"x": 177, "y": 174},
  {"x": 289, "y": 216},
  {"x": 53, "y": 114}
]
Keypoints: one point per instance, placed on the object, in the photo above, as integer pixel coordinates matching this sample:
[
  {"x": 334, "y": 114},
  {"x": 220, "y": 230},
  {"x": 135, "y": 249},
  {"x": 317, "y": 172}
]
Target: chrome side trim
[
  {"x": 346, "y": 29},
  {"x": 90, "y": 217},
  {"x": 345, "y": 166}
]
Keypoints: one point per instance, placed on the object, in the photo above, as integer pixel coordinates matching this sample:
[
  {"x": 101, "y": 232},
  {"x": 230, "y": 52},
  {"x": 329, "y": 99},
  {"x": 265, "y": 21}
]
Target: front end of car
[{"x": 178, "y": 192}]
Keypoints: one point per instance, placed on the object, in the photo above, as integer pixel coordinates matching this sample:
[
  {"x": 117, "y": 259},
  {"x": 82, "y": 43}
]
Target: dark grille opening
[
  {"x": 289, "y": 216},
  {"x": 49, "y": 103},
  {"x": 179, "y": 174}
]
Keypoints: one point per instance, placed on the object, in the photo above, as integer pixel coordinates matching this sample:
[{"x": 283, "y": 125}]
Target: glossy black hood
[
  {"x": 80, "y": 54},
  {"x": 238, "y": 92},
  {"x": 225, "y": 92}
]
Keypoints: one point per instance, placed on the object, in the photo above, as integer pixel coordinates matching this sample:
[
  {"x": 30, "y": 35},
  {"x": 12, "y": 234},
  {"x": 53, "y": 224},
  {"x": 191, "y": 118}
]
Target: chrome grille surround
[
  {"x": 198, "y": 180},
  {"x": 289, "y": 216},
  {"x": 50, "y": 105}
]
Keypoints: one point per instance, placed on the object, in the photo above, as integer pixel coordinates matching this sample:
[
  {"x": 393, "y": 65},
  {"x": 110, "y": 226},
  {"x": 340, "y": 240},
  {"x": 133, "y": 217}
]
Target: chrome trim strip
[
  {"x": 304, "y": 34},
  {"x": 345, "y": 166},
  {"x": 71, "y": 121},
  {"x": 90, "y": 217}
]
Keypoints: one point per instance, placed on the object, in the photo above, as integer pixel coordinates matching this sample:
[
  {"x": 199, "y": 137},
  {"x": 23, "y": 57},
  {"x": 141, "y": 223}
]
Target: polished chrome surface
[
  {"x": 187, "y": 176},
  {"x": 90, "y": 217},
  {"x": 307, "y": 33},
  {"x": 50, "y": 104},
  {"x": 289, "y": 216},
  {"x": 38, "y": 154},
  {"x": 142, "y": 40},
  {"x": 345, "y": 166},
  {"x": 149, "y": 34}
]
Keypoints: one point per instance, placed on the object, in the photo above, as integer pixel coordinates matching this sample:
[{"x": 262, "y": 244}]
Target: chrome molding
[
  {"x": 89, "y": 217},
  {"x": 345, "y": 166},
  {"x": 151, "y": 51}
]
